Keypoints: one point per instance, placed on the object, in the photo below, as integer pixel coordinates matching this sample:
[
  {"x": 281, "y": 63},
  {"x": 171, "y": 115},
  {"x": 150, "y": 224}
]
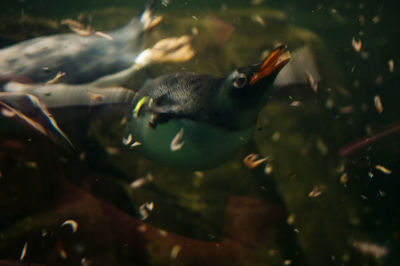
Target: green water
[{"x": 229, "y": 214}]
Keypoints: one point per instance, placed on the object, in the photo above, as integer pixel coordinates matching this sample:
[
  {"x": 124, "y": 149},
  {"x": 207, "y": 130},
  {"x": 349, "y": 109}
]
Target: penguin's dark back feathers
[{"x": 181, "y": 95}]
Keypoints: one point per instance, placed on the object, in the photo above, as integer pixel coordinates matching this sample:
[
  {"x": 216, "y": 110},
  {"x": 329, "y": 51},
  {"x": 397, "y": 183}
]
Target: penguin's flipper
[{"x": 30, "y": 110}]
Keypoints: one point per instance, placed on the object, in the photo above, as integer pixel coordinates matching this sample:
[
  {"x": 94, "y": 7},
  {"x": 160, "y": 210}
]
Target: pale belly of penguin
[{"x": 200, "y": 146}]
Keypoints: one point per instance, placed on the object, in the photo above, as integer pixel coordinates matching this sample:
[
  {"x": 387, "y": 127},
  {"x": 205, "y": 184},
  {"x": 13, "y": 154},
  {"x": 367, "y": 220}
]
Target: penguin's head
[{"x": 245, "y": 91}]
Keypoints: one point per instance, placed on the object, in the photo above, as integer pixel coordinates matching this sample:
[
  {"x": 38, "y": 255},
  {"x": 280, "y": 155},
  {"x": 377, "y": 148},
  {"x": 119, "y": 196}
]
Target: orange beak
[{"x": 273, "y": 64}]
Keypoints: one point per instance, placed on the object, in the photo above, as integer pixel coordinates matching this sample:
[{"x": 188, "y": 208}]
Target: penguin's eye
[{"x": 240, "y": 81}]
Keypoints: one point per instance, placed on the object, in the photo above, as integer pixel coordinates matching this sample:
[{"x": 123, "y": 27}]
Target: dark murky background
[{"x": 229, "y": 214}]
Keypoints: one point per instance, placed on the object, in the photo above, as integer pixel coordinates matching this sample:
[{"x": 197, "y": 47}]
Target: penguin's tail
[{"x": 147, "y": 18}]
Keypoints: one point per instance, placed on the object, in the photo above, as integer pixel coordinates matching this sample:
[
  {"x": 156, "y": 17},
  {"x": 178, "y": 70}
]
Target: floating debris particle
[
  {"x": 144, "y": 214},
  {"x": 376, "y": 19},
  {"x": 211, "y": 236},
  {"x": 82, "y": 156},
  {"x": 317, "y": 191},
  {"x": 32, "y": 165},
  {"x": 198, "y": 180},
  {"x": 369, "y": 248},
  {"x": 363, "y": 197},
  {"x": 165, "y": 2},
  {"x": 259, "y": 20},
  {"x": 370, "y": 174},
  {"x": 145, "y": 208},
  {"x": 365, "y": 55},
  {"x": 63, "y": 253},
  {"x": 391, "y": 65},
  {"x": 195, "y": 31},
  {"x": 382, "y": 193},
  {"x": 251, "y": 160},
  {"x": 295, "y": 103},
  {"x": 268, "y": 169},
  {"x": 321, "y": 146},
  {"x": 162, "y": 232},
  {"x": 123, "y": 121},
  {"x": 104, "y": 35},
  {"x": 257, "y": 2},
  {"x": 344, "y": 178},
  {"x": 77, "y": 27},
  {"x": 379, "y": 80},
  {"x": 142, "y": 181},
  {"x": 176, "y": 143},
  {"x": 127, "y": 140},
  {"x": 85, "y": 262},
  {"x": 329, "y": 103},
  {"x": 346, "y": 109},
  {"x": 56, "y": 78},
  {"x": 287, "y": 262},
  {"x": 272, "y": 252},
  {"x": 199, "y": 174},
  {"x": 175, "y": 251},
  {"x": 38, "y": 104},
  {"x": 383, "y": 169},
  {"x": 341, "y": 167},
  {"x": 150, "y": 206},
  {"x": 135, "y": 144},
  {"x": 95, "y": 96},
  {"x": 378, "y": 104},
  {"x": 23, "y": 251},
  {"x": 142, "y": 228},
  {"x": 311, "y": 81},
  {"x": 356, "y": 44},
  {"x": 7, "y": 113},
  {"x": 291, "y": 219},
  {"x": 361, "y": 19},
  {"x": 112, "y": 150},
  {"x": 276, "y": 136},
  {"x": 73, "y": 224},
  {"x": 83, "y": 30}
]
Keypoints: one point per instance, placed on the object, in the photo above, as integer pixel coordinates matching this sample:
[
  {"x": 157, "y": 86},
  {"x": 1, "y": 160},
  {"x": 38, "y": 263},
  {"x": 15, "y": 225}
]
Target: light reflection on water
[{"x": 315, "y": 207}]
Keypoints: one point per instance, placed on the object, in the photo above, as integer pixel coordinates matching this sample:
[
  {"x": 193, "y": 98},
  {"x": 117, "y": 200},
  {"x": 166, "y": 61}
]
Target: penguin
[
  {"x": 186, "y": 120},
  {"x": 197, "y": 121},
  {"x": 80, "y": 59}
]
